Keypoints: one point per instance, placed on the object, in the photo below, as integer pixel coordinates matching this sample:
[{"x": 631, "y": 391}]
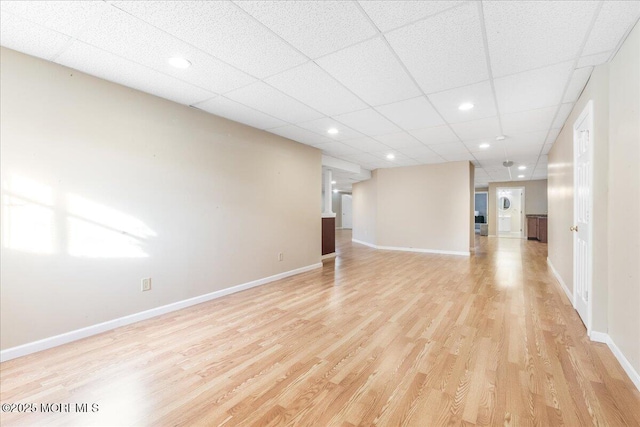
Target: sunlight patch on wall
[
  {"x": 27, "y": 216},
  {"x": 34, "y": 221},
  {"x": 98, "y": 231}
]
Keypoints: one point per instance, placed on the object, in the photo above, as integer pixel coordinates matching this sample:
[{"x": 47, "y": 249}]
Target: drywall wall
[
  {"x": 425, "y": 207},
  {"x": 624, "y": 199},
  {"x": 561, "y": 194},
  {"x": 535, "y": 199},
  {"x": 614, "y": 90},
  {"x": 365, "y": 209},
  {"x": 104, "y": 185}
]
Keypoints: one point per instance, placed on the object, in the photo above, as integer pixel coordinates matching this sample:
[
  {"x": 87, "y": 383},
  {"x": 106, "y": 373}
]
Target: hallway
[{"x": 374, "y": 338}]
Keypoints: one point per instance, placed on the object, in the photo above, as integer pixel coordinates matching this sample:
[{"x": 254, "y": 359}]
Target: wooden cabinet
[{"x": 537, "y": 227}]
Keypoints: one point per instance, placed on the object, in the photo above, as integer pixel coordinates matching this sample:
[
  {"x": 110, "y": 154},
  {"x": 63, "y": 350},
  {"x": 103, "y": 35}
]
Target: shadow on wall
[{"x": 36, "y": 220}]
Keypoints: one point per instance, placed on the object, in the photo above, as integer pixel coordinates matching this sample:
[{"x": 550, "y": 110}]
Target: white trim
[
  {"x": 626, "y": 365},
  {"x": 599, "y": 337},
  {"x": 429, "y": 251},
  {"x": 398, "y": 248},
  {"x": 67, "y": 337},
  {"x": 328, "y": 215},
  {"x": 371, "y": 245},
  {"x": 559, "y": 279},
  {"x": 328, "y": 256}
]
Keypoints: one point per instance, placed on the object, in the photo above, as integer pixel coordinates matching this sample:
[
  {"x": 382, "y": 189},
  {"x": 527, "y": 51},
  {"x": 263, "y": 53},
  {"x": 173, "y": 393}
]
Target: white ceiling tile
[
  {"x": 593, "y": 60},
  {"x": 528, "y": 121},
  {"x": 399, "y": 157},
  {"x": 263, "y": 97},
  {"x": 526, "y": 139},
  {"x": 421, "y": 153},
  {"x": 484, "y": 154},
  {"x": 360, "y": 158},
  {"x": 523, "y": 35},
  {"x": 368, "y": 121},
  {"x": 18, "y": 34},
  {"x": 399, "y": 140},
  {"x": 99, "y": 63},
  {"x": 456, "y": 157},
  {"x": 532, "y": 89},
  {"x": 563, "y": 115},
  {"x": 553, "y": 134},
  {"x": 314, "y": 27},
  {"x": 478, "y": 94},
  {"x": 484, "y": 128},
  {"x": 576, "y": 84},
  {"x": 67, "y": 17},
  {"x": 517, "y": 154},
  {"x": 114, "y": 30},
  {"x": 322, "y": 125},
  {"x": 414, "y": 113},
  {"x": 311, "y": 85},
  {"x": 232, "y": 110},
  {"x": 435, "y": 135},
  {"x": 613, "y": 21},
  {"x": 221, "y": 29},
  {"x": 388, "y": 15},
  {"x": 301, "y": 135},
  {"x": 449, "y": 148},
  {"x": 335, "y": 148},
  {"x": 444, "y": 51},
  {"x": 365, "y": 144},
  {"x": 371, "y": 71}
]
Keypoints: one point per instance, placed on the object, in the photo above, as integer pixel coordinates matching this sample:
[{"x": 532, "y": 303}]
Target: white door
[
  {"x": 582, "y": 205},
  {"x": 347, "y": 213}
]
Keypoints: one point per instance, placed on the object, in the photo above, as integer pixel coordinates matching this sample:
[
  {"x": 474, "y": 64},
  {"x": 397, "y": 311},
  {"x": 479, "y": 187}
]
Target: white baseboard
[
  {"x": 428, "y": 251},
  {"x": 371, "y": 245},
  {"x": 397, "y": 248},
  {"x": 328, "y": 256},
  {"x": 559, "y": 279},
  {"x": 67, "y": 337},
  {"x": 599, "y": 336},
  {"x": 626, "y": 365}
]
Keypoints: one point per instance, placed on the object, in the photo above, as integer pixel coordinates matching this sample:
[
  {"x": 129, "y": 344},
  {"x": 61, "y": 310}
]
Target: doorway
[
  {"x": 347, "y": 211},
  {"x": 481, "y": 209},
  {"x": 582, "y": 208},
  {"x": 510, "y": 212}
]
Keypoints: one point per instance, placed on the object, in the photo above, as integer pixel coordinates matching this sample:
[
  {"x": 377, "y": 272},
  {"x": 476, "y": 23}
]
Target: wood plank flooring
[{"x": 374, "y": 338}]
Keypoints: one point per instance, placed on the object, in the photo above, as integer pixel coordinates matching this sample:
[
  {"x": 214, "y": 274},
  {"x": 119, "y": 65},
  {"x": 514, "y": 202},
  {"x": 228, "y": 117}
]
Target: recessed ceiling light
[
  {"x": 335, "y": 190},
  {"x": 333, "y": 182},
  {"x": 520, "y": 176},
  {"x": 523, "y": 167},
  {"x": 465, "y": 106},
  {"x": 391, "y": 156},
  {"x": 332, "y": 131},
  {"x": 500, "y": 138},
  {"x": 485, "y": 145},
  {"x": 179, "y": 62}
]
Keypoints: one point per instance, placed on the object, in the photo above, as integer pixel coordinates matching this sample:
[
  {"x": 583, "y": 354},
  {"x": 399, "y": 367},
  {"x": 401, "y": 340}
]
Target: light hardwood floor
[{"x": 376, "y": 338}]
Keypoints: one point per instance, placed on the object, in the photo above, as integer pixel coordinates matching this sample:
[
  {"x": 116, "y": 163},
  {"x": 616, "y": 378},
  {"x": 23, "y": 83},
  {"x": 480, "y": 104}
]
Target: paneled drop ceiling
[{"x": 388, "y": 75}]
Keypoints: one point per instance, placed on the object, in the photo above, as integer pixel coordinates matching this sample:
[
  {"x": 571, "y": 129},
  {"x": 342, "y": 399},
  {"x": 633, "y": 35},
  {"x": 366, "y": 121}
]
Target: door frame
[
  {"x": 523, "y": 217},
  {"x": 587, "y": 111},
  {"x": 342, "y": 198}
]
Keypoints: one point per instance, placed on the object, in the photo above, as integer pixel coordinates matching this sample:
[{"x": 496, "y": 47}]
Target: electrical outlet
[
  {"x": 146, "y": 284},
  {"x": 280, "y": 256}
]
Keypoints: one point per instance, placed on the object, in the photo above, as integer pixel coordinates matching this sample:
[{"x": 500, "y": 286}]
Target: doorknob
[{"x": 573, "y": 228}]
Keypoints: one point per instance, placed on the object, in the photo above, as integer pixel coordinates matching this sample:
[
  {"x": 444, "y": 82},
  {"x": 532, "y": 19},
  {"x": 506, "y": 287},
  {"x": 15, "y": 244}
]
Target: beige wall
[
  {"x": 104, "y": 185},
  {"x": 561, "y": 193},
  {"x": 535, "y": 199},
  {"x": 614, "y": 90},
  {"x": 420, "y": 207},
  {"x": 365, "y": 209},
  {"x": 624, "y": 199}
]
